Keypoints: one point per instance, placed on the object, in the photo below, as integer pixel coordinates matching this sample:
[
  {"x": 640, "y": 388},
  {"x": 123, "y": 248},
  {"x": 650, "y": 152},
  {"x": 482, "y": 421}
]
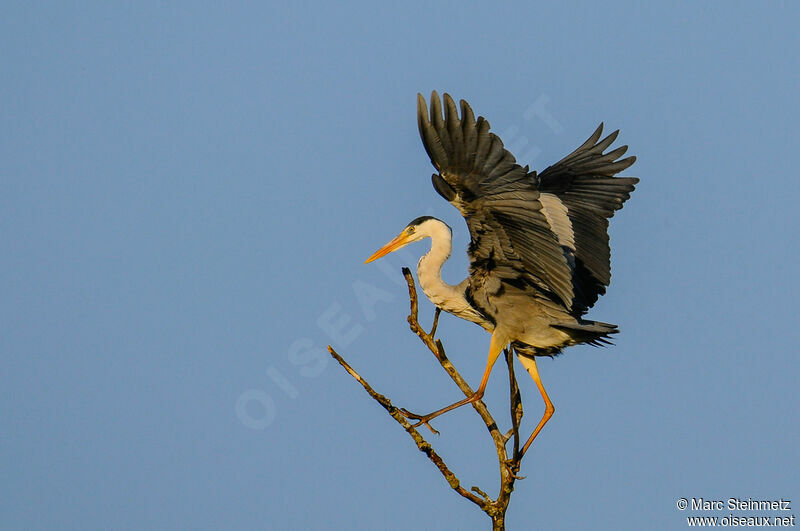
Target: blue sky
[{"x": 189, "y": 191}]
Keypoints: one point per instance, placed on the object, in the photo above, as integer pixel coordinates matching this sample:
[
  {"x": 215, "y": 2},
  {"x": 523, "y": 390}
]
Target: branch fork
[{"x": 508, "y": 465}]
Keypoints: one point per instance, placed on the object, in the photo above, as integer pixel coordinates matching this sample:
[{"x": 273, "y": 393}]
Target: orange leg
[
  {"x": 530, "y": 365},
  {"x": 496, "y": 346}
]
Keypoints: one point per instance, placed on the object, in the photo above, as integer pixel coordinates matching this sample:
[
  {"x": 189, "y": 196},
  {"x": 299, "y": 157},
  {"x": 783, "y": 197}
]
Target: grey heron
[{"x": 539, "y": 251}]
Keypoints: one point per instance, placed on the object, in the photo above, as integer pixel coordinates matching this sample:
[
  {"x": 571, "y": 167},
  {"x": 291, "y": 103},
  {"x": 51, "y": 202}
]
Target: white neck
[{"x": 429, "y": 269}]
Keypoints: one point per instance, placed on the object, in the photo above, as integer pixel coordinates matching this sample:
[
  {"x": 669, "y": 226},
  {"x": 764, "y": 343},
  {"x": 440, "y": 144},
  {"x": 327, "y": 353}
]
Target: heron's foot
[
  {"x": 512, "y": 465},
  {"x": 422, "y": 420}
]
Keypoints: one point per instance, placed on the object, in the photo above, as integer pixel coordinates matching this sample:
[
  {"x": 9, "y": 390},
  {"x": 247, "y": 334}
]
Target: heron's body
[
  {"x": 539, "y": 252},
  {"x": 535, "y": 324}
]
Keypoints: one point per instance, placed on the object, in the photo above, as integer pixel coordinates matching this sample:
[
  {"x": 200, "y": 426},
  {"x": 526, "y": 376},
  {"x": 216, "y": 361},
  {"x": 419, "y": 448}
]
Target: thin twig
[
  {"x": 420, "y": 441},
  {"x": 483, "y": 494},
  {"x": 435, "y": 321}
]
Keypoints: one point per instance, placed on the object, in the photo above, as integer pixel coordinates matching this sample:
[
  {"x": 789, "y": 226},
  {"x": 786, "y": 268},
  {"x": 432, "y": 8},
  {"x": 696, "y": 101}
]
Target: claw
[
  {"x": 513, "y": 467},
  {"x": 422, "y": 420},
  {"x": 407, "y": 414}
]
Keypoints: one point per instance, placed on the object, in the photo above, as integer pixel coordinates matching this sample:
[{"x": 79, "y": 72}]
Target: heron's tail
[{"x": 591, "y": 332}]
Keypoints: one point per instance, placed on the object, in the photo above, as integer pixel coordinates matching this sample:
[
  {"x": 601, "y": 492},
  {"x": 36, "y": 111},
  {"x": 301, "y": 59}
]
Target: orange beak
[{"x": 401, "y": 240}]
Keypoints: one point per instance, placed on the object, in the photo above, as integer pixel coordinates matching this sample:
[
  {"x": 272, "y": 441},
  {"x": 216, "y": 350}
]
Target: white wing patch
[{"x": 556, "y": 213}]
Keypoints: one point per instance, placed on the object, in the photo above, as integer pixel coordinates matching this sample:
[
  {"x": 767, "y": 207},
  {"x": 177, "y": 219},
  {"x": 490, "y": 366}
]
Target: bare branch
[
  {"x": 435, "y": 321},
  {"x": 437, "y": 348},
  {"x": 495, "y": 509},
  {"x": 515, "y": 402},
  {"x": 421, "y": 443},
  {"x": 508, "y": 468},
  {"x": 483, "y": 494}
]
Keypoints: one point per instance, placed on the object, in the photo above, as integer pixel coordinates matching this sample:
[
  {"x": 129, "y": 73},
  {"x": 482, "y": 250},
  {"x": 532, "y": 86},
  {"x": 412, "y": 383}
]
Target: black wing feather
[
  {"x": 585, "y": 182},
  {"x": 496, "y": 197}
]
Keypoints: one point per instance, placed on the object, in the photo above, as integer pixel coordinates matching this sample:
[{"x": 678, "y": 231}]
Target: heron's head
[{"x": 422, "y": 227}]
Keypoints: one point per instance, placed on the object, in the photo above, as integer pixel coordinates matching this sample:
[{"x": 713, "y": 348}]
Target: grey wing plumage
[
  {"x": 584, "y": 182},
  {"x": 500, "y": 202}
]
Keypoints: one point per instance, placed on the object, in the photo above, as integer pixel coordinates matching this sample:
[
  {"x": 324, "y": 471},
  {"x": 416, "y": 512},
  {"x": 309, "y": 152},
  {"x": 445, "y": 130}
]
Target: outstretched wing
[
  {"x": 497, "y": 197},
  {"x": 583, "y": 186}
]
